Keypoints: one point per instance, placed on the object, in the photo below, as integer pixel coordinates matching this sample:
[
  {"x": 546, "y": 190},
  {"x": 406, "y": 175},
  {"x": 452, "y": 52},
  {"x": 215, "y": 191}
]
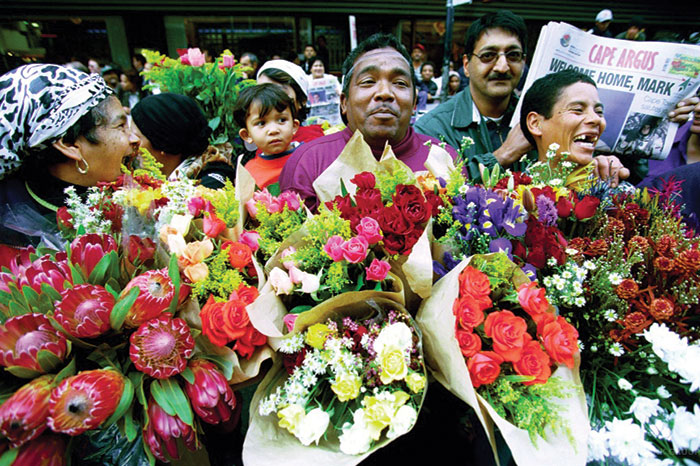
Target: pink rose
[
  {"x": 334, "y": 247},
  {"x": 288, "y": 264},
  {"x": 251, "y": 207},
  {"x": 195, "y": 57},
  {"x": 280, "y": 282},
  {"x": 378, "y": 270},
  {"x": 355, "y": 249},
  {"x": 289, "y": 320},
  {"x": 369, "y": 228},
  {"x": 309, "y": 282},
  {"x": 250, "y": 239},
  {"x": 227, "y": 61},
  {"x": 213, "y": 225},
  {"x": 291, "y": 199}
]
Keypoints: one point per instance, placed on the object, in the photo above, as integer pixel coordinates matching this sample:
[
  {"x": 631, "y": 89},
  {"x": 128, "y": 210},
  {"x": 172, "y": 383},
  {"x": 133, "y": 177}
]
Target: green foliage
[
  {"x": 222, "y": 280},
  {"x": 215, "y": 90},
  {"x": 276, "y": 227},
  {"x": 392, "y": 176},
  {"x": 148, "y": 166},
  {"x": 225, "y": 202}
]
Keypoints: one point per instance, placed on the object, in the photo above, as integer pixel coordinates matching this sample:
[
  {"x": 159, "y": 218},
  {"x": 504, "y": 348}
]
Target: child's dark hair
[{"x": 268, "y": 96}]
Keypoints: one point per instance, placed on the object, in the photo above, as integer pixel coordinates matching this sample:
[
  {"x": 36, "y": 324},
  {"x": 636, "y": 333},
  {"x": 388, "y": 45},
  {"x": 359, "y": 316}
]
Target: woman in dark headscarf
[
  {"x": 175, "y": 131},
  {"x": 59, "y": 127}
]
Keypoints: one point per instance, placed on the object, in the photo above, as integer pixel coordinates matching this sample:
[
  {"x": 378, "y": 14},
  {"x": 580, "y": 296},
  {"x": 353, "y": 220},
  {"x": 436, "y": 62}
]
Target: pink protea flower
[
  {"x": 84, "y": 310},
  {"x": 87, "y": 250},
  {"x": 156, "y": 291},
  {"x": 84, "y": 401},
  {"x": 47, "y": 450},
  {"x": 23, "y": 415},
  {"x": 211, "y": 395},
  {"x": 21, "y": 339},
  {"x": 51, "y": 270},
  {"x": 161, "y": 346},
  {"x": 164, "y": 430},
  {"x": 16, "y": 260}
]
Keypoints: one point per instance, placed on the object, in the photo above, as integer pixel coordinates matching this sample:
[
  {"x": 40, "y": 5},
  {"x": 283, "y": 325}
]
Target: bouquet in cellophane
[
  {"x": 495, "y": 342},
  {"x": 349, "y": 380}
]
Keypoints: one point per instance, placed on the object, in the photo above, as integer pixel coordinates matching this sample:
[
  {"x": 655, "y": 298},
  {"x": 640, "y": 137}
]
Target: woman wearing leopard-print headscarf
[{"x": 59, "y": 127}]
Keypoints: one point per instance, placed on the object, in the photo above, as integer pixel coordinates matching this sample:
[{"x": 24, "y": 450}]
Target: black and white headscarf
[{"x": 38, "y": 104}]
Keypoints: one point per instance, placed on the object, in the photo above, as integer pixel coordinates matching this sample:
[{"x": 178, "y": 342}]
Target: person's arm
[{"x": 513, "y": 148}]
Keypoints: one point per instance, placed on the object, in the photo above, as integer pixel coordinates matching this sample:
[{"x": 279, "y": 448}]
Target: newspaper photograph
[
  {"x": 638, "y": 84},
  {"x": 324, "y": 99}
]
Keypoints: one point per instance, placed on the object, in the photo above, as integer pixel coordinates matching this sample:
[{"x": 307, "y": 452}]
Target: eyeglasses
[{"x": 514, "y": 56}]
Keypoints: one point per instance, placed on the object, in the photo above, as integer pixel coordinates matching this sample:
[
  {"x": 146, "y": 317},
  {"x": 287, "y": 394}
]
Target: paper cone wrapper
[
  {"x": 267, "y": 444},
  {"x": 445, "y": 360}
]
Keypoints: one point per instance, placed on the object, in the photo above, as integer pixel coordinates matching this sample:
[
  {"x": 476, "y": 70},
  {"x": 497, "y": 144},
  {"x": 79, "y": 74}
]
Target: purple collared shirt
[{"x": 677, "y": 157}]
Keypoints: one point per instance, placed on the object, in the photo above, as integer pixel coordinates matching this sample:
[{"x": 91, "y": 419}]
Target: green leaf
[
  {"x": 66, "y": 372},
  {"x": 167, "y": 392},
  {"x": 360, "y": 282},
  {"x": 137, "y": 380},
  {"x": 214, "y": 123},
  {"x": 121, "y": 308},
  {"x": 343, "y": 189},
  {"x": 124, "y": 403},
  {"x": 224, "y": 364},
  {"x": 50, "y": 291},
  {"x": 274, "y": 189},
  {"x": 31, "y": 296},
  {"x": 22, "y": 372},
  {"x": 188, "y": 375},
  {"x": 9, "y": 457},
  {"x": 76, "y": 274},
  {"x": 300, "y": 308},
  {"x": 17, "y": 309},
  {"x": 113, "y": 287},
  {"x": 161, "y": 398},
  {"x": 103, "y": 268},
  {"x": 174, "y": 274},
  {"x": 47, "y": 360},
  {"x": 130, "y": 429}
]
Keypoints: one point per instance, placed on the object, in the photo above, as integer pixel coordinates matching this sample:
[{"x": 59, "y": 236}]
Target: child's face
[{"x": 271, "y": 133}]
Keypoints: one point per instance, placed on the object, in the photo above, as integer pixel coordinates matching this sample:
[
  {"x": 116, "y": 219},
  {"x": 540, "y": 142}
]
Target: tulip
[
  {"x": 47, "y": 450},
  {"x": 164, "y": 430},
  {"x": 84, "y": 401},
  {"x": 161, "y": 346},
  {"x": 212, "y": 226},
  {"x": 21, "y": 340},
  {"x": 23, "y": 415},
  {"x": 140, "y": 249},
  {"x": 156, "y": 291},
  {"x": 87, "y": 250},
  {"x": 210, "y": 394},
  {"x": 84, "y": 310}
]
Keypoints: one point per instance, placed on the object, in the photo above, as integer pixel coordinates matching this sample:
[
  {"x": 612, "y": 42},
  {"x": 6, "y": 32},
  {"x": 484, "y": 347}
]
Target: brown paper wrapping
[
  {"x": 268, "y": 444},
  {"x": 437, "y": 322}
]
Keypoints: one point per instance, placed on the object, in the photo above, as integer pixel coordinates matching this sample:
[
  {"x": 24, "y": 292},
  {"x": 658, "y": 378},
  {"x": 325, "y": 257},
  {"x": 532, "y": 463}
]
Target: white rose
[
  {"x": 313, "y": 426},
  {"x": 402, "y": 421},
  {"x": 394, "y": 335},
  {"x": 280, "y": 281},
  {"x": 644, "y": 408},
  {"x": 181, "y": 223},
  {"x": 355, "y": 439},
  {"x": 685, "y": 434}
]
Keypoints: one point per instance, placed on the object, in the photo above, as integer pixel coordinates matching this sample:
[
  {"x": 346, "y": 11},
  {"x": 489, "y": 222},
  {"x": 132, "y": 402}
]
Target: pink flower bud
[
  {"x": 288, "y": 264},
  {"x": 289, "y": 320},
  {"x": 250, "y": 239},
  {"x": 378, "y": 270}
]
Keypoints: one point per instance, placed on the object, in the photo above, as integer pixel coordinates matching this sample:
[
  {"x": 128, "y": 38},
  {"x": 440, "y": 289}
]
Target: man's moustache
[
  {"x": 384, "y": 109},
  {"x": 500, "y": 77}
]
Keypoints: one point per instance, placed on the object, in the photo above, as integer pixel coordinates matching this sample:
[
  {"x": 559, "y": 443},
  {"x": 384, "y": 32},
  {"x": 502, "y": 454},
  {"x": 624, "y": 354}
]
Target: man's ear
[
  {"x": 343, "y": 103},
  {"x": 465, "y": 62},
  {"x": 243, "y": 133},
  {"x": 534, "y": 123},
  {"x": 70, "y": 150}
]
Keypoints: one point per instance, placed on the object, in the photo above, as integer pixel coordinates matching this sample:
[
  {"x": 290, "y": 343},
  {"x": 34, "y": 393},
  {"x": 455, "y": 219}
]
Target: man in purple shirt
[{"x": 377, "y": 99}]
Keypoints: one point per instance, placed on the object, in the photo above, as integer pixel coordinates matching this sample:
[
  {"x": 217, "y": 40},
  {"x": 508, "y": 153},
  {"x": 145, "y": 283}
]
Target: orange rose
[
  {"x": 469, "y": 314},
  {"x": 239, "y": 254},
  {"x": 534, "y": 362},
  {"x": 509, "y": 334},
  {"x": 533, "y": 300},
  {"x": 560, "y": 339},
  {"x": 475, "y": 283},
  {"x": 236, "y": 319},
  {"x": 484, "y": 367},
  {"x": 245, "y": 346},
  {"x": 212, "y": 317},
  {"x": 469, "y": 342},
  {"x": 247, "y": 294}
]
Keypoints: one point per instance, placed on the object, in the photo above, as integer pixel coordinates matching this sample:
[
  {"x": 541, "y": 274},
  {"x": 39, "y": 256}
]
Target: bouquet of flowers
[
  {"x": 350, "y": 380},
  {"x": 215, "y": 86},
  {"x": 496, "y": 343},
  {"x": 106, "y": 354}
]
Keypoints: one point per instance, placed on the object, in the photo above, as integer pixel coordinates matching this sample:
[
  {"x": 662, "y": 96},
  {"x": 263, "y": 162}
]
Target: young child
[{"x": 267, "y": 118}]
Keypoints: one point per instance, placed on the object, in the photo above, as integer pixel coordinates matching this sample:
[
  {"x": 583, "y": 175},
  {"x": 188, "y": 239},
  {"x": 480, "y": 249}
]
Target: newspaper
[
  {"x": 638, "y": 84},
  {"x": 324, "y": 99}
]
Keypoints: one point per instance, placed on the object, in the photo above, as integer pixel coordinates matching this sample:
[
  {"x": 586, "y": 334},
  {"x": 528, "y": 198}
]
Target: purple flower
[
  {"x": 546, "y": 210},
  {"x": 502, "y": 245},
  {"x": 530, "y": 271},
  {"x": 511, "y": 217}
]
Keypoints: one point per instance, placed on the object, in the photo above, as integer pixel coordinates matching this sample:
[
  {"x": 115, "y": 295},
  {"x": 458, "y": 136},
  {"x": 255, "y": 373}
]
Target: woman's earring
[{"x": 81, "y": 170}]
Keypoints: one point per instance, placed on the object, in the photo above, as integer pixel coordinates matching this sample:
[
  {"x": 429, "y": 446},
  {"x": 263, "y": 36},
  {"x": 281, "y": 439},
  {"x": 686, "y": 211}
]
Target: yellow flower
[
  {"x": 415, "y": 382},
  {"x": 347, "y": 386},
  {"x": 393, "y": 365},
  {"x": 378, "y": 414},
  {"x": 316, "y": 335},
  {"x": 290, "y": 417},
  {"x": 142, "y": 199}
]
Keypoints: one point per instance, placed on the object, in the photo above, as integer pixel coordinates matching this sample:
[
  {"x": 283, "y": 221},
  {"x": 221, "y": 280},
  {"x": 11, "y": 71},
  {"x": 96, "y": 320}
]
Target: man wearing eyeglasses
[{"x": 494, "y": 60}]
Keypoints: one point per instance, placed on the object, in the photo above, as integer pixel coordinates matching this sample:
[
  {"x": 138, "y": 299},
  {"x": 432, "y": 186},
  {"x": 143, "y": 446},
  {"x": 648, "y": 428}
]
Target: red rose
[
  {"x": 141, "y": 249},
  {"x": 235, "y": 319},
  {"x": 411, "y": 239},
  {"x": 434, "y": 202},
  {"x": 509, "y": 334},
  {"x": 560, "y": 339},
  {"x": 212, "y": 317},
  {"x": 412, "y": 204},
  {"x": 474, "y": 283},
  {"x": 244, "y": 293},
  {"x": 394, "y": 244},
  {"x": 546, "y": 191},
  {"x": 369, "y": 201},
  {"x": 586, "y": 207},
  {"x": 534, "y": 362},
  {"x": 364, "y": 180},
  {"x": 533, "y": 300},
  {"x": 536, "y": 257},
  {"x": 469, "y": 342},
  {"x": 391, "y": 220},
  {"x": 469, "y": 314},
  {"x": 484, "y": 367},
  {"x": 344, "y": 205},
  {"x": 239, "y": 254},
  {"x": 564, "y": 207},
  {"x": 245, "y": 346}
]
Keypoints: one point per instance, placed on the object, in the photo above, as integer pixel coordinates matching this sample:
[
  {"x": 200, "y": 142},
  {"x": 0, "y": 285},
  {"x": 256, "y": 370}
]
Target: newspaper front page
[{"x": 638, "y": 84}]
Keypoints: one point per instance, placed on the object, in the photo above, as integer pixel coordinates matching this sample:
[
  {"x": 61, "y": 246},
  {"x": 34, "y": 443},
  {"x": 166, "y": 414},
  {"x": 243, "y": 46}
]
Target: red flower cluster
[
  {"x": 224, "y": 322},
  {"x": 541, "y": 243},
  {"x": 501, "y": 339},
  {"x": 402, "y": 221}
]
